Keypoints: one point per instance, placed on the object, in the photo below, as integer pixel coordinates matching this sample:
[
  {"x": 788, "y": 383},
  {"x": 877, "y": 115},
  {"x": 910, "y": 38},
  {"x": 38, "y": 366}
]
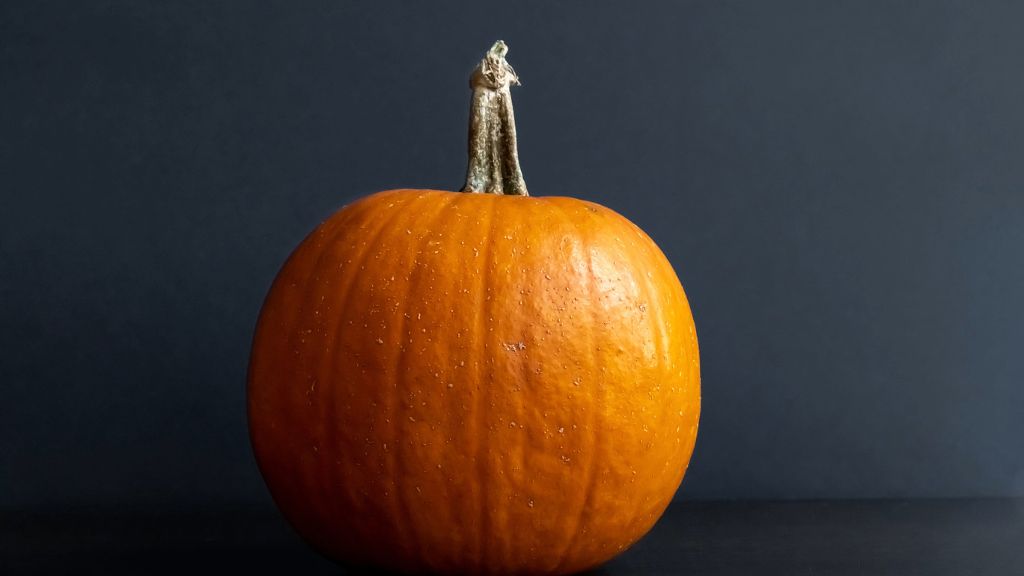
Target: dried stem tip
[
  {"x": 494, "y": 72},
  {"x": 493, "y": 154}
]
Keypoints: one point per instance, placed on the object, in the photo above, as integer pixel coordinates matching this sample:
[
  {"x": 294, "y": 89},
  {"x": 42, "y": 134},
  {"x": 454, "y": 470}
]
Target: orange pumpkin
[{"x": 471, "y": 383}]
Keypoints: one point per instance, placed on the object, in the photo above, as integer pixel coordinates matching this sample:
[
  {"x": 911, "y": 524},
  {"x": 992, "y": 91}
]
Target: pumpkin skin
[{"x": 466, "y": 383}]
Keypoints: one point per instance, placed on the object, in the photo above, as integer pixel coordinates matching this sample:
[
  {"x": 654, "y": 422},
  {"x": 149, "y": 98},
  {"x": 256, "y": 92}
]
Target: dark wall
[{"x": 840, "y": 187}]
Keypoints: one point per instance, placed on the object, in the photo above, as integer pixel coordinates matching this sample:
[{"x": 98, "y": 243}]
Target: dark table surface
[{"x": 955, "y": 537}]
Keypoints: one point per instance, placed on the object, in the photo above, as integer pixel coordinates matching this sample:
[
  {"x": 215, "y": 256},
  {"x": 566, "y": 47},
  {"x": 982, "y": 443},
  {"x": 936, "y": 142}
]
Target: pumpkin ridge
[
  {"x": 358, "y": 261},
  {"x": 456, "y": 553},
  {"x": 306, "y": 363},
  {"x": 668, "y": 276},
  {"x": 326, "y": 400},
  {"x": 521, "y": 416},
  {"x": 655, "y": 316},
  {"x": 508, "y": 461},
  {"x": 484, "y": 380},
  {"x": 566, "y": 554},
  {"x": 329, "y": 410},
  {"x": 310, "y": 285},
  {"x": 400, "y": 365},
  {"x": 289, "y": 320},
  {"x": 461, "y": 420},
  {"x": 395, "y": 461},
  {"x": 331, "y": 232}
]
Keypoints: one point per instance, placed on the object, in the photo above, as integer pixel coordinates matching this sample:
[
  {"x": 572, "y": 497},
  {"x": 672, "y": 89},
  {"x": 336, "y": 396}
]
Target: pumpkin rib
[
  {"x": 526, "y": 457},
  {"x": 497, "y": 463},
  {"x": 328, "y": 407},
  {"x": 392, "y": 460},
  {"x": 514, "y": 459},
  {"x": 396, "y": 383},
  {"x": 568, "y": 551},
  {"x": 666, "y": 328},
  {"x": 305, "y": 361},
  {"x": 565, "y": 538},
  {"x": 400, "y": 366},
  {"x": 459, "y": 419},
  {"x": 310, "y": 284},
  {"x": 359, "y": 261},
  {"x": 668, "y": 277},
  {"x": 562, "y": 557},
  {"x": 328, "y": 232},
  {"x": 484, "y": 379},
  {"x": 321, "y": 253},
  {"x": 655, "y": 317},
  {"x": 683, "y": 379},
  {"x": 665, "y": 277},
  {"x": 598, "y": 396}
]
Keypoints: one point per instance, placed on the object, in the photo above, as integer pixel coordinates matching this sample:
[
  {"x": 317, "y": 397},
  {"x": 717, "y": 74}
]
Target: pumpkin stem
[{"x": 493, "y": 155}]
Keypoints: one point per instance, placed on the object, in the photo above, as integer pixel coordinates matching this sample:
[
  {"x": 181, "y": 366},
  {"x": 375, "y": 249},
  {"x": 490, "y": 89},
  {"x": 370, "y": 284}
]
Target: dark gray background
[{"x": 840, "y": 187}]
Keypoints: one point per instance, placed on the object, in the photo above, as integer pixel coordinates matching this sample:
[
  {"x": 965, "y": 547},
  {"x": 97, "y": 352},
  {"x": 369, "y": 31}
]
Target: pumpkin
[{"x": 475, "y": 383}]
